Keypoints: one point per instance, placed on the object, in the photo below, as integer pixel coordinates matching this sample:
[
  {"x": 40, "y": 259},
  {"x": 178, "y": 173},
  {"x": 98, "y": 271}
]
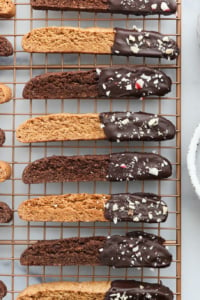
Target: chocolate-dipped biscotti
[
  {"x": 113, "y": 167},
  {"x": 135, "y": 249},
  {"x": 137, "y": 207},
  {"x": 101, "y": 290},
  {"x": 113, "y": 126},
  {"x": 116, "y": 41},
  {"x": 136, "y": 7},
  {"x": 6, "y": 214},
  {"x": 6, "y": 48},
  {"x": 2, "y": 137},
  {"x": 100, "y": 83}
]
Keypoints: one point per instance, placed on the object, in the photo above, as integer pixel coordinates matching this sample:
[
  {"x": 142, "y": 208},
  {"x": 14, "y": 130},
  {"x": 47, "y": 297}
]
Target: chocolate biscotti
[
  {"x": 6, "y": 48},
  {"x": 2, "y": 137},
  {"x": 7, "y": 9},
  {"x": 100, "y": 83},
  {"x": 6, "y": 214},
  {"x": 114, "y": 126},
  {"x": 3, "y": 289},
  {"x": 5, "y": 93},
  {"x": 101, "y": 290},
  {"x": 135, "y": 249},
  {"x": 113, "y": 167},
  {"x": 116, "y": 41},
  {"x": 136, "y": 7},
  {"x": 137, "y": 207}
]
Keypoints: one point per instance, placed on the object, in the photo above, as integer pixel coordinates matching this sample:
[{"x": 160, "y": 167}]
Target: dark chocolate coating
[
  {"x": 6, "y": 213},
  {"x": 136, "y": 290},
  {"x": 133, "y": 82},
  {"x": 2, "y": 137},
  {"x": 3, "y": 289},
  {"x": 138, "y": 126},
  {"x": 6, "y": 48},
  {"x": 138, "y": 207},
  {"x": 137, "y": 166},
  {"x": 144, "y": 43},
  {"x": 134, "y": 251},
  {"x": 142, "y": 7}
]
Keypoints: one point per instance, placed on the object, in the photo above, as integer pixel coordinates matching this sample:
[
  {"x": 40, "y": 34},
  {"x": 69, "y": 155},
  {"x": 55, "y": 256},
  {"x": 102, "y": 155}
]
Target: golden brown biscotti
[
  {"x": 116, "y": 41},
  {"x": 7, "y": 9},
  {"x": 125, "y": 207},
  {"x": 99, "y": 290},
  {"x": 5, "y": 171},
  {"x": 113, "y": 126},
  {"x": 5, "y": 93}
]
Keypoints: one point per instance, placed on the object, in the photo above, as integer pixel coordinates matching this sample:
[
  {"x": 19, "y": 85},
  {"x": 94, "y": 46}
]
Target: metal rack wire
[{"x": 15, "y": 71}]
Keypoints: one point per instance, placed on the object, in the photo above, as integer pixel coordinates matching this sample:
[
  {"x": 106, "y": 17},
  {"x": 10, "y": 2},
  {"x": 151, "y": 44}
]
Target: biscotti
[
  {"x": 6, "y": 214},
  {"x": 7, "y": 9},
  {"x": 100, "y": 83},
  {"x": 113, "y": 167},
  {"x": 2, "y": 137},
  {"x": 5, "y": 93},
  {"x": 116, "y": 41},
  {"x": 114, "y": 126},
  {"x": 136, "y": 7},
  {"x": 5, "y": 171},
  {"x": 101, "y": 290},
  {"x": 6, "y": 48},
  {"x": 3, "y": 289},
  {"x": 137, "y": 207},
  {"x": 135, "y": 249}
]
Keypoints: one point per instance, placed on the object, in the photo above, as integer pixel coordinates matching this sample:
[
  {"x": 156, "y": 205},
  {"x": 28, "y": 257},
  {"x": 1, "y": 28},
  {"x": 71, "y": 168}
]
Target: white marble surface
[{"x": 190, "y": 119}]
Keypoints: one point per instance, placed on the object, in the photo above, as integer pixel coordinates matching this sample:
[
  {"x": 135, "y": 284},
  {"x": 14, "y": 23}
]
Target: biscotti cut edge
[
  {"x": 83, "y": 290},
  {"x": 7, "y": 9},
  {"x": 69, "y": 40},
  {"x": 5, "y": 171},
  {"x": 5, "y": 93}
]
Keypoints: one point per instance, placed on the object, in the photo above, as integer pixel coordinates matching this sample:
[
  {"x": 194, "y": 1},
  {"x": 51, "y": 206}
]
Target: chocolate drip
[
  {"x": 134, "y": 82},
  {"x": 144, "y": 43},
  {"x": 132, "y": 251},
  {"x": 142, "y": 7},
  {"x": 138, "y": 207},
  {"x": 135, "y": 290},
  {"x": 134, "y": 166},
  {"x": 129, "y": 126}
]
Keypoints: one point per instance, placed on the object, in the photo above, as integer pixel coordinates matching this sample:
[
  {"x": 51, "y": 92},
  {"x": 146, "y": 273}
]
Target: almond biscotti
[
  {"x": 100, "y": 83},
  {"x": 5, "y": 93},
  {"x": 6, "y": 48},
  {"x": 116, "y": 41},
  {"x": 136, "y": 7},
  {"x": 113, "y": 126},
  {"x": 7, "y": 9},
  {"x": 137, "y": 207},
  {"x": 135, "y": 249},
  {"x": 101, "y": 290},
  {"x": 5, "y": 171},
  {"x": 123, "y": 166}
]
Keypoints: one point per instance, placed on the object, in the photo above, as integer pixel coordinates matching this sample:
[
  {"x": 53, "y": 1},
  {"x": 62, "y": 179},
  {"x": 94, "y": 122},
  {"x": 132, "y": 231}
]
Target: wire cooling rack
[{"x": 18, "y": 69}]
